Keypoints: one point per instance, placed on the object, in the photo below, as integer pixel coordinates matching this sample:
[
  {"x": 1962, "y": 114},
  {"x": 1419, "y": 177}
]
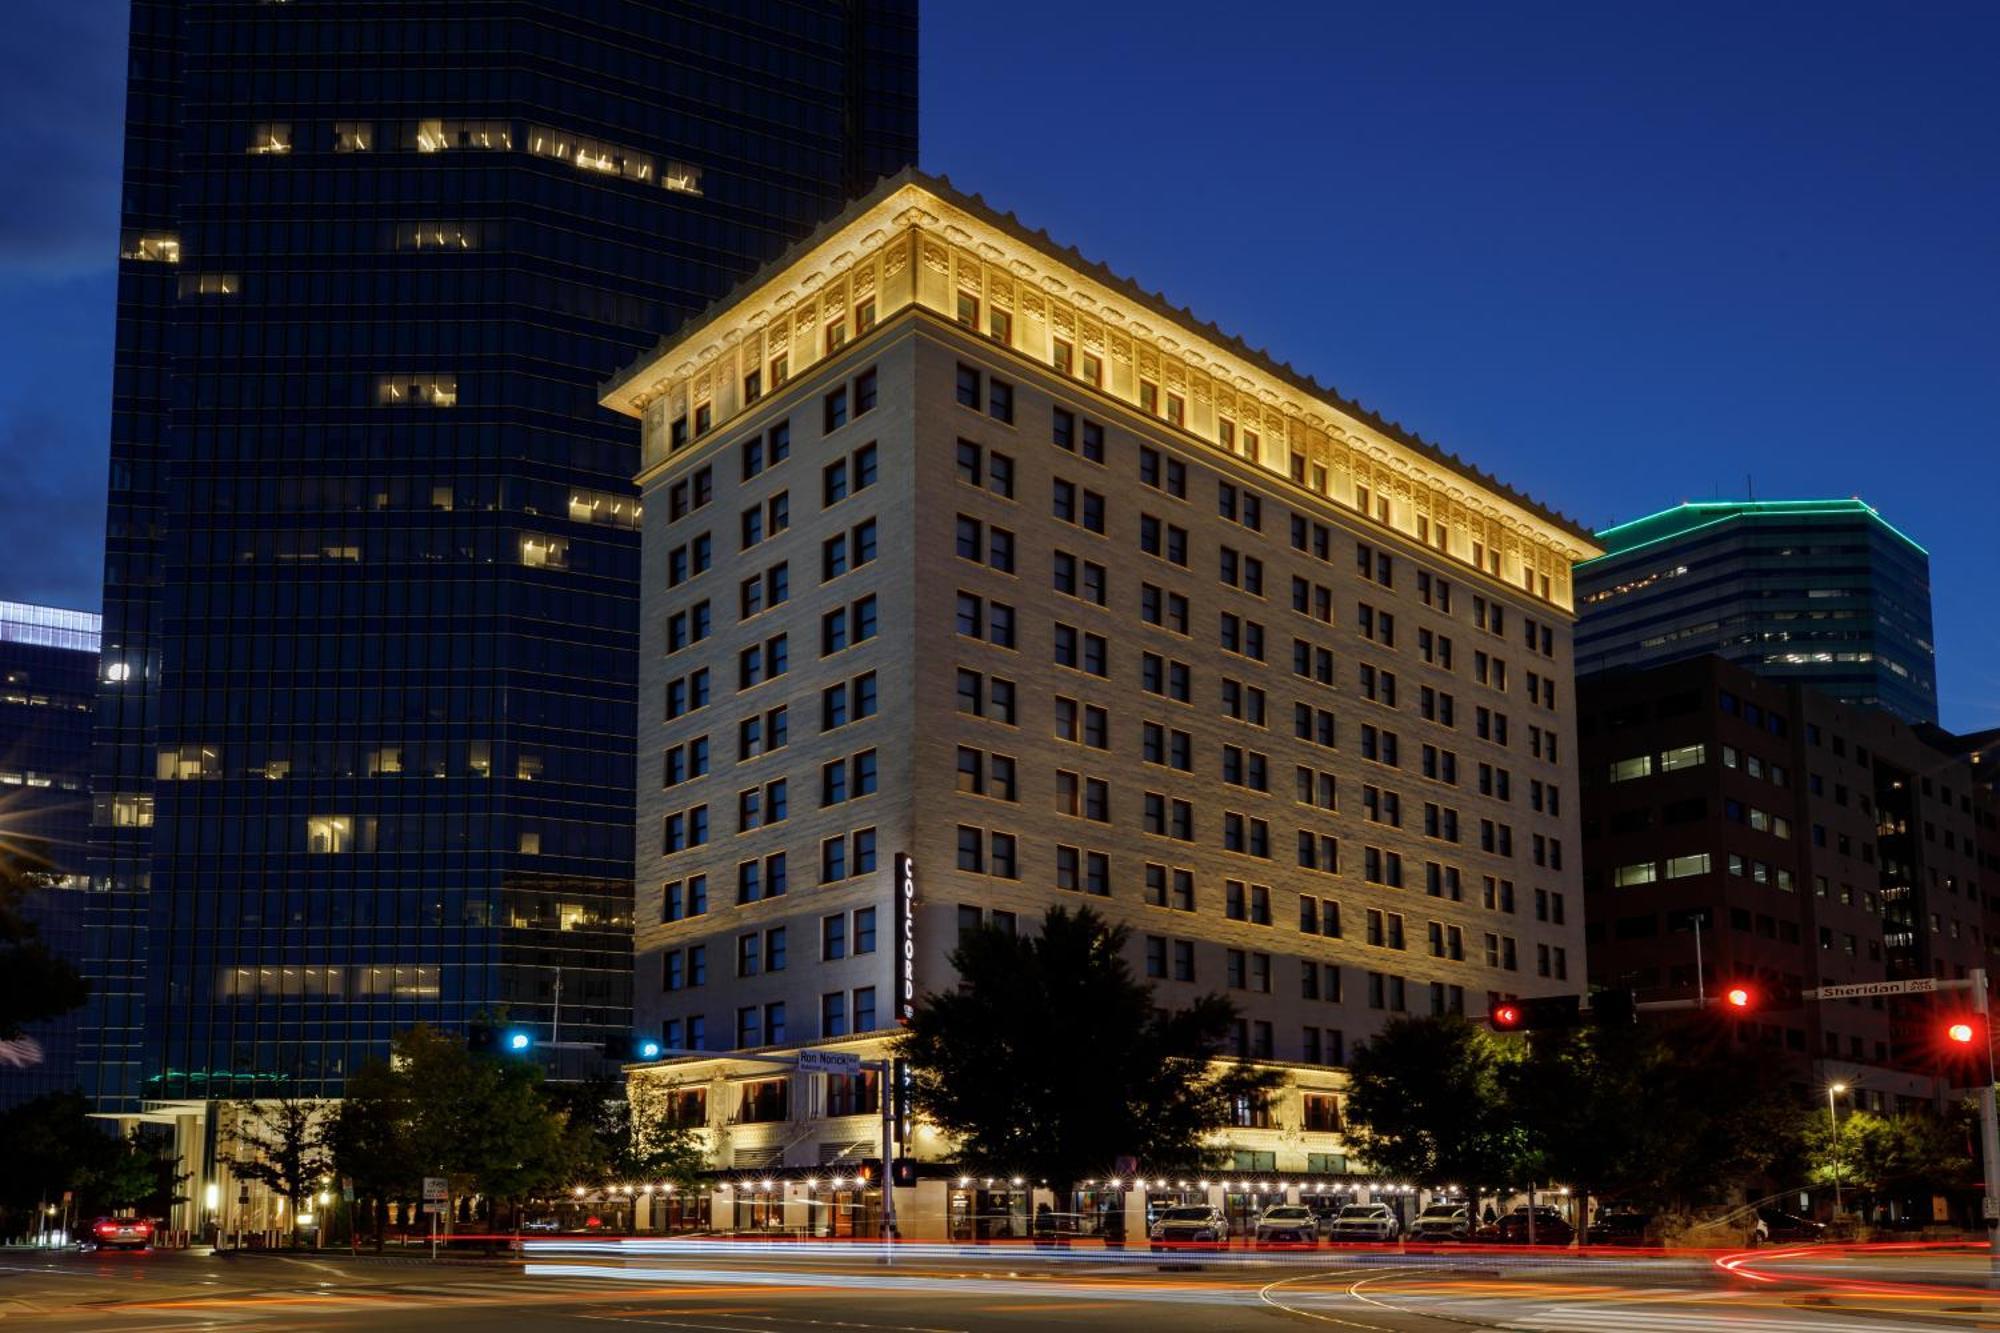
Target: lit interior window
[
  {"x": 436, "y": 236},
  {"x": 540, "y": 551},
  {"x": 330, "y": 835},
  {"x": 183, "y": 763},
  {"x": 417, "y": 390},
  {"x": 438, "y": 136},
  {"x": 156, "y": 247},
  {"x": 210, "y": 284},
  {"x": 275, "y": 137},
  {"x": 122, "y": 811},
  {"x": 617, "y": 511}
]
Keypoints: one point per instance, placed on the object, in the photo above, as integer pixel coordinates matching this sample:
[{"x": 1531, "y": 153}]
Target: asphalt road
[{"x": 708, "y": 1287}]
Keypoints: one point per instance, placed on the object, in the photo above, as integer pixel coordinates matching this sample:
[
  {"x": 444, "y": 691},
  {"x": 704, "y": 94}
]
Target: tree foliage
[
  {"x": 1672, "y": 1114},
  {"x": 1875, "y": 1158},
  {"x": 34, "y": 983},
  {"x": 435, "y": 1108},
  {"x": 284, "y": 1144},
  {"x": 54, "y": 1147},
  {"x": 1051, "y": 1059},
  {"x": 1425, "y": 1104},
  {"x": 614, "y": 1139}
]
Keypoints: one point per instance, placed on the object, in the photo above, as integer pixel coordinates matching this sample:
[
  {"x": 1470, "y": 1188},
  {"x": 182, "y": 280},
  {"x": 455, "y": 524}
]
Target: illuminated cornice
[
  {"x": 917, "y": 241},
  {"x": 1691, "y": 516}
]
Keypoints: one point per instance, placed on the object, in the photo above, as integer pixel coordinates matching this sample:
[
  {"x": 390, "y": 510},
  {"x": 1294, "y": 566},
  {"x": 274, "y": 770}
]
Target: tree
[
  {"x": 1051, "y": 1060},
  {"x": 1674, "y": 1113},
  {"x": 368, "y": 1145},
  {"x": 283, "y": 1143},
  {"x": 1876, "y": 1158},
  {"x": 645, "y": 1138},
  {"x": 1425, "y": 1103},
  {"x": 34, "y": 983},
  {"x": 139, "y": 1172},
  {"x": 436, "y": 1108},
  {"x": 53, "y": 1148}
]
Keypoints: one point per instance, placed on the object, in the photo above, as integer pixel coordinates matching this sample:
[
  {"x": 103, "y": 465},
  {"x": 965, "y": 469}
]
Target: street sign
[
  {"x": 1863, "y": 989},
  {"x": 829, "y": 1062}
]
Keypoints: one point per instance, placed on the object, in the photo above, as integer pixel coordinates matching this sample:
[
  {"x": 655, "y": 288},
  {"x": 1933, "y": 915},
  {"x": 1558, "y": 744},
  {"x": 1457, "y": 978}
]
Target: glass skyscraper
[
  {"x": 48, "y": 663},
  {"x": 366, "y": 707},
  {"x": 1822, "y": 592}
]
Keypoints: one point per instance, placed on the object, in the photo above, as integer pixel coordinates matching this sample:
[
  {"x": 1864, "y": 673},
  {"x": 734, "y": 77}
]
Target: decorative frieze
[{"x": 778, "y": 328}]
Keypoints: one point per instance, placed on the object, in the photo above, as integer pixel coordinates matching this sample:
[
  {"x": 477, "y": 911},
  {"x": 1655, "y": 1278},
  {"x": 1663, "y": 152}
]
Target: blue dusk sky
[{"x": 1619, "y": 255}]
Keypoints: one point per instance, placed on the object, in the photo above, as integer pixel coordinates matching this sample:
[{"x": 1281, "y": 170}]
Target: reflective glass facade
[
  {"x": 48, "y": 661},
  {"x": 1822, "y": 592},
  {"x": 366, "y": 704}
]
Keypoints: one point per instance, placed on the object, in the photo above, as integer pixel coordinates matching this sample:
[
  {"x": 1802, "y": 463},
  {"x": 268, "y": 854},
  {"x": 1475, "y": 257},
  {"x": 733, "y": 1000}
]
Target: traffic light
[
  {"x": 903, "y": 1172},
  {"x": 1614, "y": 1008},
  {"x": 629, "y": 1046},
  {"x": 1542, "y": 1013},
  {"x": 870, "y": 1171}
]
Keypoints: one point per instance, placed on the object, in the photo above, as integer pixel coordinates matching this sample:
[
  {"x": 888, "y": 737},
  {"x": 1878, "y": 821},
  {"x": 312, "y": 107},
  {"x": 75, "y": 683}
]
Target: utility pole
[
  {"x": 1833, "y": 1122},
  {"x": 1700, "y": 980}
]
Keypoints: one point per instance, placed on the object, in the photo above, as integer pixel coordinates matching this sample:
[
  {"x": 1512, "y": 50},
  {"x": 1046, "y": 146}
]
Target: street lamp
[{"x": 1833, "y": 1122}]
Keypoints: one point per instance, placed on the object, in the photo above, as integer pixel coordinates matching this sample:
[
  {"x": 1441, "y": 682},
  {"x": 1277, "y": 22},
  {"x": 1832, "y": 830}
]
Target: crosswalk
[{"x": 1597, "y": 1316}]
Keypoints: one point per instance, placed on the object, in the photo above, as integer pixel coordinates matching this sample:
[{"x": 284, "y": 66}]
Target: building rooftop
[
  {"x": 49, "y": 626},
  {"x": 1135, "y": 322},
  {"x": 1696, "y": 514}
]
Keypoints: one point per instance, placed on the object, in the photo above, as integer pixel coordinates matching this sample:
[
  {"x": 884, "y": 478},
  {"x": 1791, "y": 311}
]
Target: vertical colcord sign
[
  {"x": 906, "y": 938},
  {"x": 906, "y": 988}
]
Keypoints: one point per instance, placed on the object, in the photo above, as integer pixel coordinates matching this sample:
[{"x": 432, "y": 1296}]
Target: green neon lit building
[{"x": 1825, "y": 592}]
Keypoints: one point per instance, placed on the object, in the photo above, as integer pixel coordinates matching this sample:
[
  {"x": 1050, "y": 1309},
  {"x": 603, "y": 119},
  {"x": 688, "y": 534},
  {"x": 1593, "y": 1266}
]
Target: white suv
[
  {"x": 1364, "y": 1221},
  {"x": 1191, "y": 1224}
]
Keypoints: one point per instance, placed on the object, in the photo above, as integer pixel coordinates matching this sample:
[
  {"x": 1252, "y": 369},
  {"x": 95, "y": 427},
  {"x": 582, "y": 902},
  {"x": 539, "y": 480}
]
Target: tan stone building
[{"x": 962, "y": 548}]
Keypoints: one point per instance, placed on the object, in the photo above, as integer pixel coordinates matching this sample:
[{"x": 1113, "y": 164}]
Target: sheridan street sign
[{"x": 1860, "y": 989}]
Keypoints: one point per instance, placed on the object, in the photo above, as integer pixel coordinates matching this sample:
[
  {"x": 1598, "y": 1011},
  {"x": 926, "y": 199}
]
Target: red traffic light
[
  {"x": 1739, "y": 997},
  {"x": 1506, "y": 1017},
  {"x": 1960, "y": 1033}
]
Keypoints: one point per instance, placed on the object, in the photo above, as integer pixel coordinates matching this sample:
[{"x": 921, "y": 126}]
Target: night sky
[{"x": 1620, "y": 258}]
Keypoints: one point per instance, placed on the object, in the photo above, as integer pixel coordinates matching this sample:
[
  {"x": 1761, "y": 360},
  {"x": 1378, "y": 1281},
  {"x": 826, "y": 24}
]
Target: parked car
[
  {"x": 1620, "y": 1224},
  {"x": 1191, "y": 1224},
  {"x": 1289, "y": 1223},
  {"x": 1442, "y": 1221},
  {"x": 117, "y": 1233},
  {"x": 1786, "y": 1228},
  {"x": 1550, "y": 1228},
  {"x": 1365, "y": 1221}
]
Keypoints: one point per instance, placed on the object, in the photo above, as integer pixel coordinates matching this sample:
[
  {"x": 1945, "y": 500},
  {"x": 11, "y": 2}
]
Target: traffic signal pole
[
  {"x": 1989, "y": 1131},
  {"x": 1564, "y": 1011}
]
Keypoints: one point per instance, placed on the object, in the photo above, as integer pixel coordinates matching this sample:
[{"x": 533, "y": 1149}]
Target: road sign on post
[
  {"x": 1865, "y": 989},
  {"x": 829, "y": 1062}
]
